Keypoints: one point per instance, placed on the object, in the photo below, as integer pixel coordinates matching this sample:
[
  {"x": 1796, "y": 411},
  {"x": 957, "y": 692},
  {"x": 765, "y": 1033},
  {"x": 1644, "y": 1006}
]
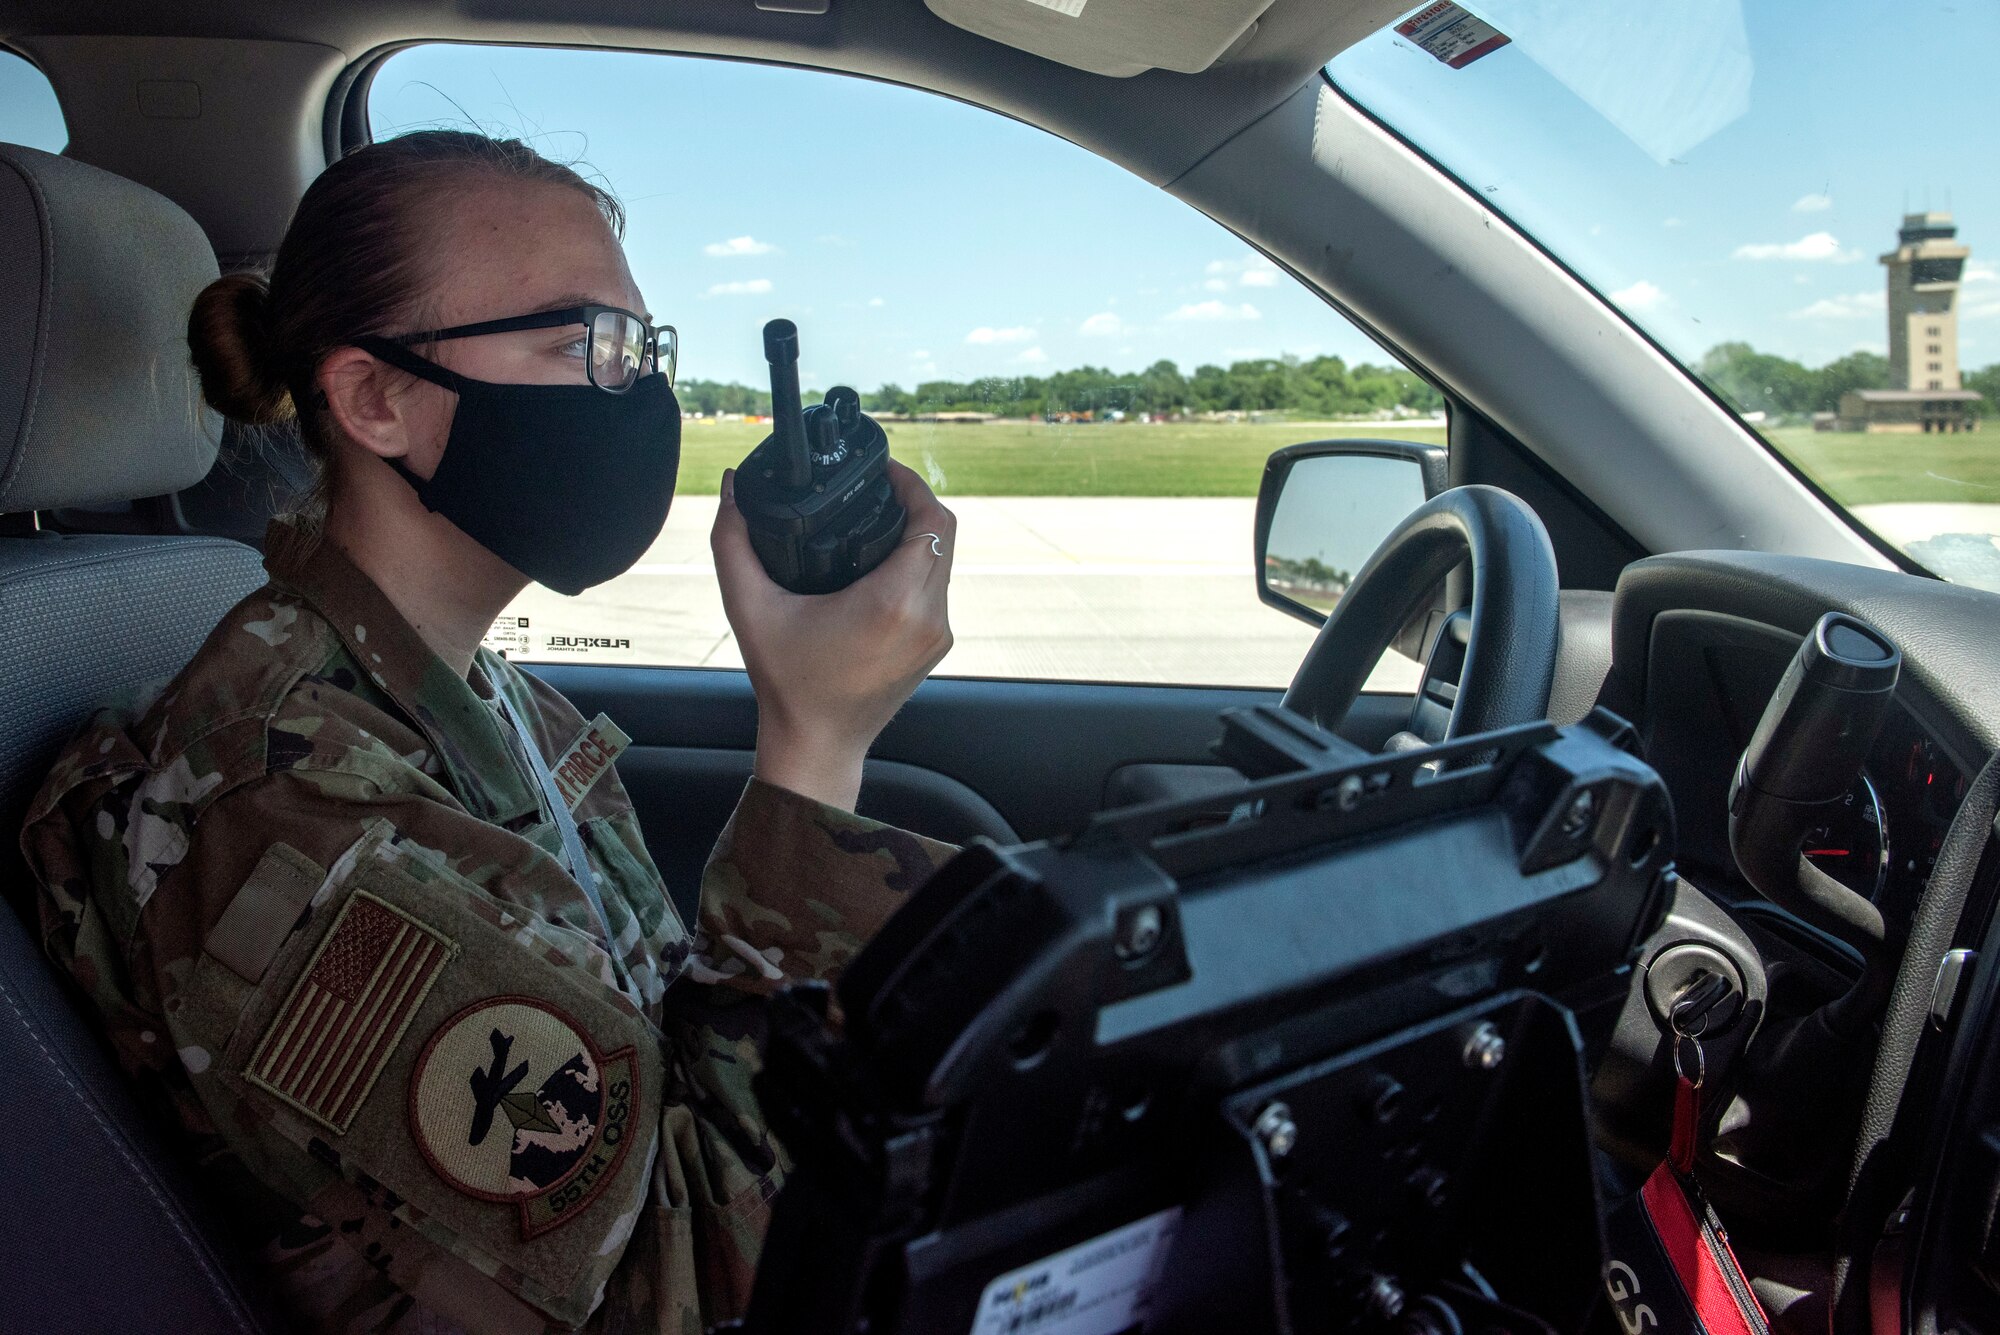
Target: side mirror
[{"x": 1325, "y": 506}]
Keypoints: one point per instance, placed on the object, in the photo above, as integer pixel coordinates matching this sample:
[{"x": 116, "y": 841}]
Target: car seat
[{"x": 104, "y": 1227}]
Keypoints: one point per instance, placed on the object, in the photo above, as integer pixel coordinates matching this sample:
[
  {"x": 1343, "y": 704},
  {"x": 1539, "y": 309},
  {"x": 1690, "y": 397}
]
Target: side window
[
  {"x": 28, "y": 111},
  {"x": 1090, "y": 373}
]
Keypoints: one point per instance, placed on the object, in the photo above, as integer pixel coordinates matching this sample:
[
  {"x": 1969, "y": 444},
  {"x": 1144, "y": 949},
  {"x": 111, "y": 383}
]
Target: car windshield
[{"x": 1791, "y": 198}]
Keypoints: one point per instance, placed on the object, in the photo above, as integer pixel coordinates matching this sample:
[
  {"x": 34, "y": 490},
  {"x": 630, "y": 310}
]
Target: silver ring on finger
[{"x": 937, "y": 541}]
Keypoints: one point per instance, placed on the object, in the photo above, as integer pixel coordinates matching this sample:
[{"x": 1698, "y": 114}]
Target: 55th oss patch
[{"x": 511, "y": 1102}]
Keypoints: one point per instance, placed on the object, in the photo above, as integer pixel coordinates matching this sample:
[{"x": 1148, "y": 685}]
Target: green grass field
[
  {"x": 1227, "y": 459},
  {"x": 1858, "y": 469},
  {"x": 1017, "y": 459}
]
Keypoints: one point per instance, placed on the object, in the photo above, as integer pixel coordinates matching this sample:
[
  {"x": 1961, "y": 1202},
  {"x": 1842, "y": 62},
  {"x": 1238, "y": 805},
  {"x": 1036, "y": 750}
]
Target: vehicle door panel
[{"x": 1006, "y": 759}]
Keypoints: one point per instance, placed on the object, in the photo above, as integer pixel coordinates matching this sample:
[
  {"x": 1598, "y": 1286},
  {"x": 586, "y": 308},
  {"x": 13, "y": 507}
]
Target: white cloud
[
  {"x": 1813, "y": 203},
  {"x": 1641, "y": 296},
  {"x": 1980, "y": 306},
  {"x": 1032, "y": 356},
  {"x": 1673, "y": 222},
  {"x": 738, "y": 245},
  {"x": 746, "y": 288},
  {"x": 1815, "y": 247},
  {"x": 1851, "y": 306},
  {"x": 1981, "y": 303},
  {"x": 920, "y": 355},
  {"x": 987, "y": 334},
  {"x": 875, "y": 301},
  {"x": 1104, "y": 324},
  {"x": 1249, "y": 270},
  {"x": 1216, "y": 310}
]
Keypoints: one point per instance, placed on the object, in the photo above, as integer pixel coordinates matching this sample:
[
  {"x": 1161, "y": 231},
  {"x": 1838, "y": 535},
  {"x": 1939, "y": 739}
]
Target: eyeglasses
[{"x": 622, "y": 346}]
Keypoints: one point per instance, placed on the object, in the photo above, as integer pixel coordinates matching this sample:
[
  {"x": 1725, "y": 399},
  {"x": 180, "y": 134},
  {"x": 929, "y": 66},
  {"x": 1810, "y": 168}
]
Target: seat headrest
[{"x": 98, "y": 398}]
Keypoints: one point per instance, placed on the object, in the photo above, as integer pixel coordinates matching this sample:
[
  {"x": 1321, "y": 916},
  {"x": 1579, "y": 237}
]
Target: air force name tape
[
  {"x": 327, "y": 1045},
  {"x": 584, "y": 761},
  {"x": 511, "y": 1102}
]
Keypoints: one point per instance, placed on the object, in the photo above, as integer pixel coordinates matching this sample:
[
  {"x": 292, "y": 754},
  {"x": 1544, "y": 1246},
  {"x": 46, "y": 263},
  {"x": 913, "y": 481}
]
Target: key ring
[
  {"x": 1683, "y": 1042},
  {"x": 1688, "y": 1019}
]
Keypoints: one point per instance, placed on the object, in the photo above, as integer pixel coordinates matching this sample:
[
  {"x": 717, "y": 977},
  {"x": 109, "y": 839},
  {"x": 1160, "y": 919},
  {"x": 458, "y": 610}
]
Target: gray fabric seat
[{"x": 104, "y": 1229}]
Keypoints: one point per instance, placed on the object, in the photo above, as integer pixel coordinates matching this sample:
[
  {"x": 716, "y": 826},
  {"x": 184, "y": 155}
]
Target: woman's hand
[{"x": 830, "y": 670}]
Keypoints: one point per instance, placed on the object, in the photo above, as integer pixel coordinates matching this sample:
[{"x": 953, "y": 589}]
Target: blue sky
[
  {"x": 28, "y": 111},
  {"x": 1768, "y": 227},
  {"x": 914, "y": 237},
  {"x": 909, "y": 235}
]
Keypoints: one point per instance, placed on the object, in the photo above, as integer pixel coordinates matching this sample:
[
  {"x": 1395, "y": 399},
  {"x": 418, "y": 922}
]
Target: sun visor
[{"x": 1115, "y": 37}]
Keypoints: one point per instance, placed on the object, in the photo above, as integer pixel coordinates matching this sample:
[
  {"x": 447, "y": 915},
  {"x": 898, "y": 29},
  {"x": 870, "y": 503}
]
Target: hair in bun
[
  {"x": 359, "y": 257},
  {"x": 230, "y": 335}
]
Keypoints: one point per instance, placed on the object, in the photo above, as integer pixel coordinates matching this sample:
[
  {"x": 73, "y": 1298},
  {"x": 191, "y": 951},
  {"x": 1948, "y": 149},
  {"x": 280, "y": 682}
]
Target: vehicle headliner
[{"x": 1157, "y": 124}]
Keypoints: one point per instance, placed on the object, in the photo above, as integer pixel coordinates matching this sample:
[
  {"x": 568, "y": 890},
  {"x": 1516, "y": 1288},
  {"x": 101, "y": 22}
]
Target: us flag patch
[{"x": 327, "y": 1045}]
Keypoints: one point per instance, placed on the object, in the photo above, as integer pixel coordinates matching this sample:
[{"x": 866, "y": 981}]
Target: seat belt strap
[{"x": 572, "y": 841}]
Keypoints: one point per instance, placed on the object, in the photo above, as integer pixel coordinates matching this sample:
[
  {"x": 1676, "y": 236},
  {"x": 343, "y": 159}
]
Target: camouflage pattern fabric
[{"x": 318, "y": 903}]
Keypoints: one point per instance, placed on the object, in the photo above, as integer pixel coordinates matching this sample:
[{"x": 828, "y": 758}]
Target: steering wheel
[{"x": 1508, "y": 636}]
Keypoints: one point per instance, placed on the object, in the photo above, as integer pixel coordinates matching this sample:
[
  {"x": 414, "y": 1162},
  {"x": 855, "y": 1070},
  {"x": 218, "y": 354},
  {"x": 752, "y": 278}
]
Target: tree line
[
  {"x": 1749, "y": 380},
  {"x": 1320, "y": 386},
  {"x": 1762, "y": 382}
]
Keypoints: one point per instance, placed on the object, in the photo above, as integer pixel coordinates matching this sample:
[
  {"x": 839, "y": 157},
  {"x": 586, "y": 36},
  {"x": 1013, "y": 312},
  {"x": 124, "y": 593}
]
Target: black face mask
[{"x": 566, "y": 483}]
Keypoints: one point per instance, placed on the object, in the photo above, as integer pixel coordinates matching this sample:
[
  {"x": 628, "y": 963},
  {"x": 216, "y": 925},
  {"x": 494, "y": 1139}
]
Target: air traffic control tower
[
  {"x": 1924, "y": 271},
  {"x": 1923, "y": 302}
]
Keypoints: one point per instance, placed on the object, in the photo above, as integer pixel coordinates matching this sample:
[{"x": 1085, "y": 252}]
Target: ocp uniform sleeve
[
  {"x": 791, "y": 891},
  {"x": 108, "y": 846},
  {"x": 309, "y": 891},
  {"x": 794, "y": 888},
  {"x": 78, "y": 840}
]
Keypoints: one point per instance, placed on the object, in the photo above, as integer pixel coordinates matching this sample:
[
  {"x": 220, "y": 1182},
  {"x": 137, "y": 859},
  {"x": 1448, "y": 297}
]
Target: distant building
[{"x": 1924, "y": 272}]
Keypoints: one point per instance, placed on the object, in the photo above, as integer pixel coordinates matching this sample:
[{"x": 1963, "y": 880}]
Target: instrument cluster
[{"x": 1885, "y": 841}]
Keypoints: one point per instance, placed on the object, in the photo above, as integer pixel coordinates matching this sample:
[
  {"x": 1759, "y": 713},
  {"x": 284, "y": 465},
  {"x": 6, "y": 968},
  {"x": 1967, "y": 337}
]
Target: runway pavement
[
  {"x": 1077, "y": 589},
  {"x": 1063, "y": 588},
  {"x": 1958, "y": 540}
]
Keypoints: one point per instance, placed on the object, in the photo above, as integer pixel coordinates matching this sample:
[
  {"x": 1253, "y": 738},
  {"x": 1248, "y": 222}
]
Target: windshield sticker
[
  {"x": 1100, "y": 1287},
  {"x": 1451, "y": 34},
  {"x": 508, "y": 635},
  {"x": 583, "y": 644},
  {"x": 1073, "y": 8}
]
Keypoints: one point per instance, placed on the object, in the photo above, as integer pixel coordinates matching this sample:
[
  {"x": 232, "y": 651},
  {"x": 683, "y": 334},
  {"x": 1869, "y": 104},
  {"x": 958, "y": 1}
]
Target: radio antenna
[{"x": 789, "y": 461}]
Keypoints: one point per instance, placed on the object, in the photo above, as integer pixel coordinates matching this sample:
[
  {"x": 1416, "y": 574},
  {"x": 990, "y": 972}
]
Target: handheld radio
[{"x": 815, "y": 493}]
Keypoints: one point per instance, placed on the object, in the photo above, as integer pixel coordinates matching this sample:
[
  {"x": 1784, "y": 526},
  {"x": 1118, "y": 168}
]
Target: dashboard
[
  {"x": 1884, "y": 842},
  {"x": 1715, "y": 672},
  {"x": 1700, "y": 641}
]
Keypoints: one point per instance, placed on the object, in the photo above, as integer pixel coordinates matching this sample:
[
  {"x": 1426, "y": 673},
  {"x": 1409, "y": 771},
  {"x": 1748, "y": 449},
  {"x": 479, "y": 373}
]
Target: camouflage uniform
[{"x": 319, "y": 899}]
